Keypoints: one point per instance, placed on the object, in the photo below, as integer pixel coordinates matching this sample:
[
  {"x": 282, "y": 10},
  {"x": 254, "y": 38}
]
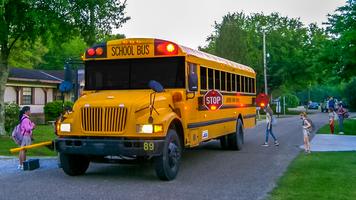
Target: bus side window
[
  {"x": 192, "y": 77},
  {"x": 233, "y": 76},
  {"x": 238, "y": 83},
  {"x": 223, "y": 81},
  {"x": 202, "y": 78},
  {"x": 242, "y": 84},
  {"x": 217, "y": 80},
  {"x": 246, "y": 84},
  {"x": 228, "y": 82},
  {"x": 251, "y": 85},
  {"x": 210, "y": 79}
]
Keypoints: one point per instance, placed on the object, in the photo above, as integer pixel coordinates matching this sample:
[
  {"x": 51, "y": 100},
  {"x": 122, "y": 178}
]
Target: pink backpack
[{"x": 17, "y": 135}]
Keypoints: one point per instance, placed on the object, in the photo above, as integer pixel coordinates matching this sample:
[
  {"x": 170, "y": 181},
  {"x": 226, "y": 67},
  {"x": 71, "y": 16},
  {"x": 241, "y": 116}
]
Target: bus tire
[
  {"x": 236, "y": 139},
  {"x": 74, "y": 165},
  {"x": 167, "y": 165},
  {"x": 224, "y": 142}
]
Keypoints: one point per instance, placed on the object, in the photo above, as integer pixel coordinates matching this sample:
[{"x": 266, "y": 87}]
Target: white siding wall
[
  {"x": 10, "y": 94},
  {"x": 35, "y": 108},
  {"x": 39, "y": 96},
  {"x": 49, "y": 95}
]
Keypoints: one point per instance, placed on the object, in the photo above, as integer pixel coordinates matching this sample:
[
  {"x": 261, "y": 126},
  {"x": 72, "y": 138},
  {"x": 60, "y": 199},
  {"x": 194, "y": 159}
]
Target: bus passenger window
[
  {"x": 211, "y": 79},
  {"x": 229, "y": 82},
  {"x": 203, "y": 78},
  {"x": 217, "y": 80},
  {"x": 246, "y": 84},
  {"x": 250, "y": 84},
  {"x": 233, "y": 83},
  {"x": 223, "y": 81},
  {"x": 238, "y": 89},
  {"x": 242, "y": 84},
  {"x": 253, "y": 85}
]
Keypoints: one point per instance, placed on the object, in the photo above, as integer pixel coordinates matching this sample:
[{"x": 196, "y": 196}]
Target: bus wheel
[
  {"x": 224, "y": 142},
  {"x": 167, "y": 165},
  {"x": 74, "y": 165},
  {"x": 236, "y": 139}
]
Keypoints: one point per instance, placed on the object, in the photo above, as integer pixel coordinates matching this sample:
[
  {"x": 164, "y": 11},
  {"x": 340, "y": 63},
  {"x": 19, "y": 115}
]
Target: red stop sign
[
  {"x": 213, "y": 100},
  {"x": 262, "y": 100}
]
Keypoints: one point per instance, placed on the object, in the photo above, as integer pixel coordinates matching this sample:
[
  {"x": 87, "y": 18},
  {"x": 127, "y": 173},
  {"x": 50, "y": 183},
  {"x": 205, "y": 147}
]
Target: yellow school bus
[{"x": 150, "y": 99}]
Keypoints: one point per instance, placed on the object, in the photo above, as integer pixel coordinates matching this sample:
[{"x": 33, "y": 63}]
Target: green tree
[
  {"x": 342, "y": 28},
  {"x": 96, "y": 19},
  {"x": 58, "y": 53},
  {"x": 239, "y": 38},
  {"x": 22, "y": 20},
  {"x": 27, "y": 55}
]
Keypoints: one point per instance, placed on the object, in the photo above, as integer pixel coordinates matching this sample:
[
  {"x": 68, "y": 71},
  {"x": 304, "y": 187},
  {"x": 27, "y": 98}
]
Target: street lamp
[{"x": 264, "y": 58}]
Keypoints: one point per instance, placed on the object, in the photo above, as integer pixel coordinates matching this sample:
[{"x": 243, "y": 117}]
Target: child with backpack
[
  {"x": 307, "y": 128},
  {"x": 269, "y": 119},
  {"x": 26, "y": 126}
]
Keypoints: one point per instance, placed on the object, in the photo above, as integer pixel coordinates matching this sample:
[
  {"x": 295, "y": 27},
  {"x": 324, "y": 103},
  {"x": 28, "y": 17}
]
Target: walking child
[
  {"x": 331, "y": 120},
  {"x": 269, "y": 115},
  {"x": 306, "y": 131}
]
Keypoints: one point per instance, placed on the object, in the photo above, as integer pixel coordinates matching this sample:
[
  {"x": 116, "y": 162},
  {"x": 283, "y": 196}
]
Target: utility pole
[{"x": 264, "y": 59}]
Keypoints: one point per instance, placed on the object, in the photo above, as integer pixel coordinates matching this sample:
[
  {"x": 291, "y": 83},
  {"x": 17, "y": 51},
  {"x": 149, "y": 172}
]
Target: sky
[{"x": 190, "y": 22}]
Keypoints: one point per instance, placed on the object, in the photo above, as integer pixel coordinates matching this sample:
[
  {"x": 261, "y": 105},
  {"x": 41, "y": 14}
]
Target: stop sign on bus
[
  {"x": 213, "y": 100},
  {"x": 262, "y": 100}
]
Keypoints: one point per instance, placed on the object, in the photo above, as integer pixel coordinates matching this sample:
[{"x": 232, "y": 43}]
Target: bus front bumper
[{"x": 106, "y": 147}]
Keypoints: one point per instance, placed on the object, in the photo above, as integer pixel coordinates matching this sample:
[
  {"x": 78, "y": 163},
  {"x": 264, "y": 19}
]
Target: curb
[{"x": 39, "y": 157}]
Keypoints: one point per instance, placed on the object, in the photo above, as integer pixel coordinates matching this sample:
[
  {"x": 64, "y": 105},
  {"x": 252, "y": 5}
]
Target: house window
[{"x": 26, "y": 96}]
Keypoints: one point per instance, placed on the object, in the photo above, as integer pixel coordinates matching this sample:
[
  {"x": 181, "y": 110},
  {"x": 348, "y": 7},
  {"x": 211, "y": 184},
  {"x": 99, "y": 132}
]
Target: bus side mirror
[
  {"x": 155, "y": 86},
  {"x": 193, "y": 82}
]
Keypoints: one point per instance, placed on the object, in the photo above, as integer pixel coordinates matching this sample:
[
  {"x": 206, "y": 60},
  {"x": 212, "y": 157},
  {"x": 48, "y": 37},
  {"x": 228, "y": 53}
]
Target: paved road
[{"x": 206, "y": 173}]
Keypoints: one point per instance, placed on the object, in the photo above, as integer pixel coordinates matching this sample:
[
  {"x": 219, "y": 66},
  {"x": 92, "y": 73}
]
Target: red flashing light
[
  {"x": 165, "y": 48},
  {"x": 91, "y": 52},
  {"x": 99, "y": 51},
  {"x": 262, "y": 104}
]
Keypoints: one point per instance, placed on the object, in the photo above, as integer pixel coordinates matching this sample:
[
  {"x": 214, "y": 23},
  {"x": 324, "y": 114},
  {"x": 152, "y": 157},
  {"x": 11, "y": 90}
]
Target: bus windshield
[{"x": 134, "y": 73}]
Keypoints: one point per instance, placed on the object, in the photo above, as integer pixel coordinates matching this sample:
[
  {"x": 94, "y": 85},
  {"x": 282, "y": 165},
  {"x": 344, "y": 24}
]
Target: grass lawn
[
  {"x": 349, "y": 127},
  {"x": 41, "y": 133},
  {"x": 328, "y": 175}
]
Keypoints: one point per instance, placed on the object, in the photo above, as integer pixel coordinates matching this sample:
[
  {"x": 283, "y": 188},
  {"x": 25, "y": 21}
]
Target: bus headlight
[
  {"x": 65, "y": 127},
  {"x": 149, "y": 128}
]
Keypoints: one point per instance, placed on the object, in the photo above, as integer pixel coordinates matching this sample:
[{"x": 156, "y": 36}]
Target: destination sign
[{"x": 137, "y": 50}]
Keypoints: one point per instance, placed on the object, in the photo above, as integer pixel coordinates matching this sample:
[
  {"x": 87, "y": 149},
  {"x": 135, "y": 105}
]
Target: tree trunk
[{"x": 4, "y": 74}]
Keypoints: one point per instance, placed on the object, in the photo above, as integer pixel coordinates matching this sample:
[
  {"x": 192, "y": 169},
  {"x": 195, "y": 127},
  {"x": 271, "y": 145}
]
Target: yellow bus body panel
[{"x": 94, "y": 113}]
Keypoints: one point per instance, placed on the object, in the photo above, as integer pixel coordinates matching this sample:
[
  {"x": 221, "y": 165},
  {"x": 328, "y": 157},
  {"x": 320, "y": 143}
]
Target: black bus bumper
[{"x": 109, "y": 147}]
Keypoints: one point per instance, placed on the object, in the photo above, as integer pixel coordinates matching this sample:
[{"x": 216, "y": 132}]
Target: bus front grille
[{"x": 104, "y": 120}]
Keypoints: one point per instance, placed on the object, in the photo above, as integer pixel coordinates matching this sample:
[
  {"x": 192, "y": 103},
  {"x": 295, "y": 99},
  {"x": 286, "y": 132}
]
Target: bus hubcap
[{"x": 173, "y": 155}]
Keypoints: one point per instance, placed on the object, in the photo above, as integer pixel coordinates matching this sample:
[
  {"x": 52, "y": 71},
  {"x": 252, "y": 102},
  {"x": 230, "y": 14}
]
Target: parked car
[{"x": 313, "y": 105}]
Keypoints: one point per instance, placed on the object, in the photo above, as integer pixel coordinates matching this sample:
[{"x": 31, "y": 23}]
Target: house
[{"x": 33, "y": 88}]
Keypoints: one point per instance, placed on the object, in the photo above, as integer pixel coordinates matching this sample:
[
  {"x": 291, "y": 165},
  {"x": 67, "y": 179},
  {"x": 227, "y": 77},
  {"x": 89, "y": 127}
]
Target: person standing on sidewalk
[
  {"x": 331, "y": 120},
  {"x": 341, "y": 114},
  {"x": 331, "y": 103},
  {"x": 26, "y": 127},
  {"x": 269, "y": 115},
  {"x": 306, "y": 131}
]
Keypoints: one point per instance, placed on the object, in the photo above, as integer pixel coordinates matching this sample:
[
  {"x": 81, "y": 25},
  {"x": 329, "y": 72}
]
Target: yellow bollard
[{"x": 47, "y": 143}]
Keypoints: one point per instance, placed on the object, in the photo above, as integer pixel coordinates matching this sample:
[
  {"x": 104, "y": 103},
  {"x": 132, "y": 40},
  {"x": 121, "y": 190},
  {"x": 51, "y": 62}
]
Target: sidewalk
[{"x": 326, "y": 142}]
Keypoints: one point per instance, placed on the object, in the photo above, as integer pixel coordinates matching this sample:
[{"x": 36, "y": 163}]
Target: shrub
[
  {"x": 53, "y": 109},
  {"x": 292, "y": 101},
  {"x": 12, "y": 111}
]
